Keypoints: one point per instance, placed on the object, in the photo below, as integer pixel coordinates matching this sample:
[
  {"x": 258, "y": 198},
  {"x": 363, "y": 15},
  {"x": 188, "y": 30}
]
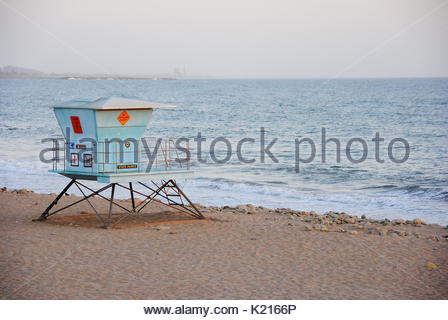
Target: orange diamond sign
[{"x": 123, "y": 118}]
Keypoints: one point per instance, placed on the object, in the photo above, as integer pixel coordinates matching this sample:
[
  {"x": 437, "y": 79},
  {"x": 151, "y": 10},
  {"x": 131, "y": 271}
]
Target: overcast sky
[{"x": 229, "y": 38}]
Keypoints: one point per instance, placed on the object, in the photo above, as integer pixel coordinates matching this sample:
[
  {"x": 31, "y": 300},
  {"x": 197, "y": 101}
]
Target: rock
[
  {"x": 227, "y": 209},
  {"x": 353, "y": 233},
  {"x": 4, "y": 189},
  {"x": 83, "y": 212},
  {"x": 418, "y": 222},
  {"x": 320, "y": 228},
  {"x": 172, "y": 232},
  {"x": 23, "y": 191},
  {"x": 398, "y": 222},
  {"x": 375, "y": 231},
  {"x": 393, "y": 232},
  {"x": 431, "y": 266},
  {"x": 363, "y": 216},
  {"x": 159, "y": 228},
  {"x": 402, "y": 233},
  {"x": 241, "y": 209},
  {"x": 308, "y": 228}
]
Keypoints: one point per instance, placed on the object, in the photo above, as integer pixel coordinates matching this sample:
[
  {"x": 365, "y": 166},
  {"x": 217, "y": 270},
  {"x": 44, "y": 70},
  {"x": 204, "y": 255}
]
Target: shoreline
[
  {"x": 329, "y": 218},
  {"x": 242, "y": 252}
]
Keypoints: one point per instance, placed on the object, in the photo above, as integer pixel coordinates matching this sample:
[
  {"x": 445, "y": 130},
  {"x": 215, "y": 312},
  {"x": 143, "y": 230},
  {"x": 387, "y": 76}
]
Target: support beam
[
  {"x": 132, "y": 196},
  {"x": 46, "y": 213},
  {"x": 112, "y": 194},
  {"x": 162, "y": 194}
]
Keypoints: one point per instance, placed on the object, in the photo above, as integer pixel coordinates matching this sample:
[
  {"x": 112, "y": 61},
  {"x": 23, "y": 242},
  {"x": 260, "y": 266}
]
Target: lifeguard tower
[{"x": 103, "y": 141}]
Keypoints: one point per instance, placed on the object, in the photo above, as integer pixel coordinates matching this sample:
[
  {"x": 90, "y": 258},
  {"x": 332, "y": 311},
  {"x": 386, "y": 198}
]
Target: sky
[{"x": 230, "y": 39}]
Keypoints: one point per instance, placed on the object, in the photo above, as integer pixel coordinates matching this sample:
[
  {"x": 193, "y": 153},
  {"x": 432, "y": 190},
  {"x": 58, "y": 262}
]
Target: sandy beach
[{"x": 243, "y": 252}]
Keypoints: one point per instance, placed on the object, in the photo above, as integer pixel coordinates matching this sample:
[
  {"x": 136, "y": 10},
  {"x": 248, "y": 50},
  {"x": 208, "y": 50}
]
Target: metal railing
[{"x": 155, "y": 154}]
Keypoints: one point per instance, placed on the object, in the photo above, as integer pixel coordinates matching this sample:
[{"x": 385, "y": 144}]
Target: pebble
[
  {"x": 22, "y": 191},
  {"x": 418, "y": 222},
  {"x": 159, "y": 228},
  {"x": 431, "y": 266},
  {"x": 398, "y": 222},
  {"x": 241, "y": 209}
]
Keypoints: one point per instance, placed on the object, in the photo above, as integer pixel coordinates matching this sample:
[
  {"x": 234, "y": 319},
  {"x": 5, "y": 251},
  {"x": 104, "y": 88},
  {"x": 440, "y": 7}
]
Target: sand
[{"x": 236, "y": 253}]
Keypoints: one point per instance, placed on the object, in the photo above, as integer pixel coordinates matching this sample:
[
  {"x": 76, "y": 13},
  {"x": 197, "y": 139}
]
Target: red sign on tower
[{"x": 76, "y": 124}]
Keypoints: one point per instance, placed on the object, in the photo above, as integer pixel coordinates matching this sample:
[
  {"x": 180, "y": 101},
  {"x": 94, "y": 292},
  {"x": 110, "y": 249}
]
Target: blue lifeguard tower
[{"x": 103, "y": 141}]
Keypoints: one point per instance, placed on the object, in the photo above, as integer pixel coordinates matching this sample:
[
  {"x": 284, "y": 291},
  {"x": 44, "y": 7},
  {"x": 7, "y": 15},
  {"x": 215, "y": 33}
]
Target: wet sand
[{"x": 245, "y": 252}]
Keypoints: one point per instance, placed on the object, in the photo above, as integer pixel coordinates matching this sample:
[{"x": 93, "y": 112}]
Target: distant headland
[{"x": 14, "y": 72}]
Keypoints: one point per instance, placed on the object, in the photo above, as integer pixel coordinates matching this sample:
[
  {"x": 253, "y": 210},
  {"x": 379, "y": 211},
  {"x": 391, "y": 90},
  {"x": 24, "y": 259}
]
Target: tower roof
[{"x": 112, "y": 103}]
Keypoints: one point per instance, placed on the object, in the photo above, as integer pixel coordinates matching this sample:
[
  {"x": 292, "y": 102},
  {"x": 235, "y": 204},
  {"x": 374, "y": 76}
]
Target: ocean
[{"x": 412, "y": 111}]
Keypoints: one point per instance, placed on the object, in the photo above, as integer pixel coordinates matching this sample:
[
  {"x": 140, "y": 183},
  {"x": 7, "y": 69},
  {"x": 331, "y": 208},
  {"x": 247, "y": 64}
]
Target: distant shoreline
[
  {"x": 94, "y": 77},
  {"x": 182, "y": 77}
]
